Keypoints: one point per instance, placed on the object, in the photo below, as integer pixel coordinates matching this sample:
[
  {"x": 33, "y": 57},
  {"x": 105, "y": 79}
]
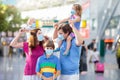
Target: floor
[{"x": 12, "y": 69}]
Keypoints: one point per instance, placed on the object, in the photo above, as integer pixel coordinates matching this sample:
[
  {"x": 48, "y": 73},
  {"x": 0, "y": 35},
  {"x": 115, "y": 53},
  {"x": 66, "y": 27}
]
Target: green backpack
[{"x": 118, "y": 52}]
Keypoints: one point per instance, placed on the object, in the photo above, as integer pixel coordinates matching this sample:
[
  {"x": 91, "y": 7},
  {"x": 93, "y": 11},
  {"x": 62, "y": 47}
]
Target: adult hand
[
  {"x": 21, "y": 31},
  {"x": 56, "y": 25}
]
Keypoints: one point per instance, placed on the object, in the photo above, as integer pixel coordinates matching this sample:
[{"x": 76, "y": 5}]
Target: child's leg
[{"x": 68, "y": 45}]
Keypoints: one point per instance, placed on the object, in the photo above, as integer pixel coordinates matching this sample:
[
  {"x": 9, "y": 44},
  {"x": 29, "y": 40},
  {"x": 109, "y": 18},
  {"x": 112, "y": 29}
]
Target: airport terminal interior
[{"x": 100, "y": 21}]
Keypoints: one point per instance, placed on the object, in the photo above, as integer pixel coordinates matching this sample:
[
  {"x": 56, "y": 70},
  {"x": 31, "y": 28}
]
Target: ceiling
[{"x": 26, "y": 5}]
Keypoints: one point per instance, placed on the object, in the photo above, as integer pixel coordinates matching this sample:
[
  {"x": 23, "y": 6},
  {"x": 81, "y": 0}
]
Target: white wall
[{"x": 49, "y": 13}]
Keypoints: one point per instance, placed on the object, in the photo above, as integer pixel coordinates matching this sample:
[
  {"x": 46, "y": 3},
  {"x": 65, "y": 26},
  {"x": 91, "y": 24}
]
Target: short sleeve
[
  {"x": 25, "y": 47},
  {"x": 38, "y": 65}
]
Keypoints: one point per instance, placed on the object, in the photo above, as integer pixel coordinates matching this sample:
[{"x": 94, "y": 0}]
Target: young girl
[
  {"x": 30, "y": 26},
  {"x": 33, "y": 48},
  {"x": 48, "y": 65},
  {"x": 76, "y": 18}
]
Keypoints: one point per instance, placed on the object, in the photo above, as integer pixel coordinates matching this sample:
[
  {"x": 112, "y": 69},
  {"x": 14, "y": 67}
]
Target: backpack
[{"x": 118, "y": 52}]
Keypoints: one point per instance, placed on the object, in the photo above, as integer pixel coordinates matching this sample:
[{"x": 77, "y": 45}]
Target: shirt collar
[{"x": 44, "y": 56}]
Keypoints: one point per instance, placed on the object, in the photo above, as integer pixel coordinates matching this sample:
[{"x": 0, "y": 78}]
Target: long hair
[
  {"x": 32, "y": 42},
  {"x": 78, "y": 9}
]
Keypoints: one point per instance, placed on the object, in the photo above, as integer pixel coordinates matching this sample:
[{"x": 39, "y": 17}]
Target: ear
[{"x": 67, "y": 33}]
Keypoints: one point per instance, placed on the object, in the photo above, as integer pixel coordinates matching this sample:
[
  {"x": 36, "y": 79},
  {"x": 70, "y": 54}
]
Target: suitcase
[{"x": 99, "y": 67}]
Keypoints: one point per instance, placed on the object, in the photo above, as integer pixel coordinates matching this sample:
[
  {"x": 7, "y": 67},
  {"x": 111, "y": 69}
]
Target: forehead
[
  {"x": 73, "y": 7},
  {"x": 60, "y": 31},
  {"x": 48, "y": 47},
  {"x": 39, "y": 31}
]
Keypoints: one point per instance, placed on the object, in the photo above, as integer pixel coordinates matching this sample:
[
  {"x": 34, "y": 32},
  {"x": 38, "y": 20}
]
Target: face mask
[
  {"x": 73, "y": 11},
  {"x": 61, "y": 37},
  {"x": 40, "y": 37},
  {"x": 28, "y": 35},
  {"x": 33, "y": 25},
  {"x": 48, "y": 51}
]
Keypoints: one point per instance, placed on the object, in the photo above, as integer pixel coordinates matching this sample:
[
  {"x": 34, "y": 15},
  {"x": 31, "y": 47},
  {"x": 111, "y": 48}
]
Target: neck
[
  {"x": 47, "y": 56},
  {"x": 37, "y": 42}
]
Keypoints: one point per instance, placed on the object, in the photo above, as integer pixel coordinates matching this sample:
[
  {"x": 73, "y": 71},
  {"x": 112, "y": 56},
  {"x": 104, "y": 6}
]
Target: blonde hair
[
  {"x": 78, "y": 9},
  {"x": 30, "y": 21}
]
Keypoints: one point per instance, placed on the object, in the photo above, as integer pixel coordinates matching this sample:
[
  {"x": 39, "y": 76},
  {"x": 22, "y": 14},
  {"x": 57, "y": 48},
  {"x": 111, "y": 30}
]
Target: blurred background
[{"x": 100, "y": 20}]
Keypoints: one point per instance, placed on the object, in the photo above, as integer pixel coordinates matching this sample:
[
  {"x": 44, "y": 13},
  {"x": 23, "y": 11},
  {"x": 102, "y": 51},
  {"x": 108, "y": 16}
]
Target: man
[{"x": 69, "y": 63}]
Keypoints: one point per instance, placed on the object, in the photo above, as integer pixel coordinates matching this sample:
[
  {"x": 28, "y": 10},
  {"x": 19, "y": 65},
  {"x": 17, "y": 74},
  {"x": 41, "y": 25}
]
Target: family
[{"x": 41, "y": 64}]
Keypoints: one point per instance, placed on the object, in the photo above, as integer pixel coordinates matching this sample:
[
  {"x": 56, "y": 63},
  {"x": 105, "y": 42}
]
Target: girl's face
[
  {"x": 73, "y": 8},
  {"x": 73, "y": 11},
  {"x": 31, "y": 21}
]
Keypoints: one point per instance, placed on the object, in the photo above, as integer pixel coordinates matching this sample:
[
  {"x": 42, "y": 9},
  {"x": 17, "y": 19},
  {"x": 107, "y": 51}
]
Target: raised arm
[
  {"x": 79, "y": 38},
  {"x": 55, "y": 32},
  {"x": 15, "y": 43},
  {"x": 64, "y": 20}
]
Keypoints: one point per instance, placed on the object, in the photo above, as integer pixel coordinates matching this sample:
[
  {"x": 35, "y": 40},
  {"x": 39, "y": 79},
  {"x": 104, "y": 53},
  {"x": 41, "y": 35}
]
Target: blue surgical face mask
[
  {"x": 61, "y": 37},
  {"x": 73, "y": 11},
  {"x": 40, "y": 37},
  {"x": 48, "y": 51},
  {"x": 33, "y": 25}
]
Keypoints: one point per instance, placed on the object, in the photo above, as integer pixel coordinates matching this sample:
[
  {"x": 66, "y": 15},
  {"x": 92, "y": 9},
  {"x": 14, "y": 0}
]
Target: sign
[
  {"x": 83, "y": 24},
  {"x": 84, "y": 32},
  {"x": 85, "y": 20}
]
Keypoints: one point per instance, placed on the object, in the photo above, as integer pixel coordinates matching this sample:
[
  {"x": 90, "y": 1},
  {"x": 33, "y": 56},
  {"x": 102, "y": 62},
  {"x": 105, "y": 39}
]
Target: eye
[
  {"x": 51, "y": 48},
  {"x": 47, "y": 48}
]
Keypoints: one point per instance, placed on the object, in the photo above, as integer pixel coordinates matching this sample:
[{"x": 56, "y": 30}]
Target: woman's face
[
  {"x": 39, "y": 32},
  {"x": 65, "y": 35},
  {"x": 40, "y": 36}
]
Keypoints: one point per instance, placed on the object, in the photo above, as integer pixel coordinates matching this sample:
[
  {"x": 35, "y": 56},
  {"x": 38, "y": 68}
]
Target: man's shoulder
[{"x": 55, "y": 57}]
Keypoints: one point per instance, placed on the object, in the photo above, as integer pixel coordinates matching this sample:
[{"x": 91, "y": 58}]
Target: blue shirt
[
  {"x": 70, "y": 63},
  {"x": 48, "y": 66},
  {"x": 76, "y": 24}
]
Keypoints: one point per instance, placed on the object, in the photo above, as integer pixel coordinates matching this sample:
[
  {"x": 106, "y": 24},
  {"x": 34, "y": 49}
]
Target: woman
[
  {"x": 33, "y": 48},
  {"x": 69, "y": 63}
]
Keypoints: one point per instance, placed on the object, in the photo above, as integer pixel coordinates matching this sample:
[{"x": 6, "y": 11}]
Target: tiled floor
[{"x": 12, "y": 69}]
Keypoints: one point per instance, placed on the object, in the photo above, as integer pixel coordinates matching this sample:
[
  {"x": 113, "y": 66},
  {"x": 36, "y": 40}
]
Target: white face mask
[{"x": 28, "y": 35}]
